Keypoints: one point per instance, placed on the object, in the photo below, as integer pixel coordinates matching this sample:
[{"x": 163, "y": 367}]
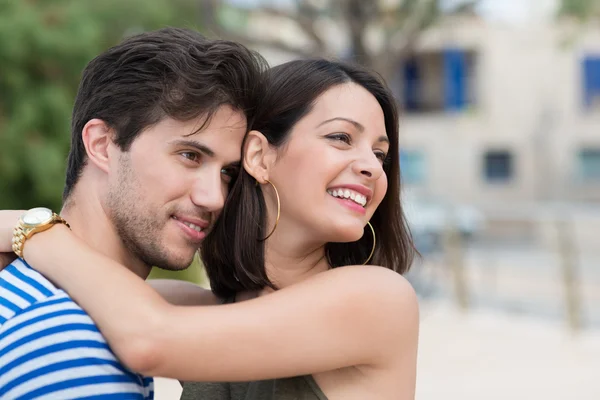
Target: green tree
[
  {"x": 583, "y": 10},
  {"x": 44, "y": 46}
]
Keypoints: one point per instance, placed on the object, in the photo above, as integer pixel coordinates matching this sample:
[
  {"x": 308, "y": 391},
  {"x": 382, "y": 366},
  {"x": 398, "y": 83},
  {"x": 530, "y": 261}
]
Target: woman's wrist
[{"x": 43, "y": 244}]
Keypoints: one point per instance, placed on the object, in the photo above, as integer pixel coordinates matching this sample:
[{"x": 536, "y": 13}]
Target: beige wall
[{"x": 528, "y": 90}]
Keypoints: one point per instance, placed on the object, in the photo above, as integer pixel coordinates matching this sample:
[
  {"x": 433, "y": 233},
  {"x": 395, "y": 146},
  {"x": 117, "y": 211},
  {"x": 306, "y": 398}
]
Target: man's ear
[
  {"x": 258, "y": 156},
  {"x": 97, "y": 138}
]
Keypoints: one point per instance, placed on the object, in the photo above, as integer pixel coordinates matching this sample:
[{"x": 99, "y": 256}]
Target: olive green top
[{"x": 295, "y": 388}]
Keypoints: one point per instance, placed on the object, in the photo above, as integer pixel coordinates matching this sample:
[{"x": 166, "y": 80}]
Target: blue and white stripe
[{"x": 51, "y": 349}]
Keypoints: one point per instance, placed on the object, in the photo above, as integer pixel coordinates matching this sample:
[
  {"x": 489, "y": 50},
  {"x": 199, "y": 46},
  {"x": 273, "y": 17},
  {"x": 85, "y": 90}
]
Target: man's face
[{"x": 167, "y": 190}]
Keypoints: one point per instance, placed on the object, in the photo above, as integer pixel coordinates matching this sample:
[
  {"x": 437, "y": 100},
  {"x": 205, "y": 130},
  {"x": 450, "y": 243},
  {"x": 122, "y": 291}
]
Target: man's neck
[{"x": 89, "y": 221}]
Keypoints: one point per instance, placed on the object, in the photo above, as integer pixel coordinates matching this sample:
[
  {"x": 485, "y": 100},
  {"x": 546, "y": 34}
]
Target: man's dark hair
[
  {"x": 171, "y": 72},
  {"x": 233, "y": 254}
]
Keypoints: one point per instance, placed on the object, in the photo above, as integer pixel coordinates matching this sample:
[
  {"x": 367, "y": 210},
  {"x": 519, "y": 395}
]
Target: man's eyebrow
[
  {"x": 198, "y": 146},
  {"x": 357, "y": 125}
]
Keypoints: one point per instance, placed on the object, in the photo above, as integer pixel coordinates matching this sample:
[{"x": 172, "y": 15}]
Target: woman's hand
[{"x": 8, "y": 221}]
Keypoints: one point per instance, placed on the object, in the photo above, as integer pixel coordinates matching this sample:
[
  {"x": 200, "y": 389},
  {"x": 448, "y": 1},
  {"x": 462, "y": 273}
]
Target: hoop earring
[
  {"x": 278, "y": 210},
  {"x": 374, "y": 242}
]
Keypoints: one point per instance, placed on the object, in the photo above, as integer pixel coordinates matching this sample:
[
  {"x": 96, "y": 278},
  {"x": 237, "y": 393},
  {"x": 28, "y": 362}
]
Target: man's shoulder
[
  {"x": 50, "y": 346},
  {"x": 22, "y": 287}
]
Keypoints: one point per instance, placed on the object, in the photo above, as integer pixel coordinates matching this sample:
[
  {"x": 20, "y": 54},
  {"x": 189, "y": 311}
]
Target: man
[{"x": 157, "y": 129}]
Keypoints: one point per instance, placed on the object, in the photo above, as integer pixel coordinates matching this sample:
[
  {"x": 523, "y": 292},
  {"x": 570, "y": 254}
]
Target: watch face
[{"x": 37, "y": 216}]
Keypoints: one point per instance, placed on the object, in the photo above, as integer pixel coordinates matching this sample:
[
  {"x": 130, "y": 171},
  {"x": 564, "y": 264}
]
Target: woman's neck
[{"x": 289, "y": 259}]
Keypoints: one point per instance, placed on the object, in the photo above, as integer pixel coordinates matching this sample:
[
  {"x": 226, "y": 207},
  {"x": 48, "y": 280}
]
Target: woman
[{"x": 319, "y": 190}]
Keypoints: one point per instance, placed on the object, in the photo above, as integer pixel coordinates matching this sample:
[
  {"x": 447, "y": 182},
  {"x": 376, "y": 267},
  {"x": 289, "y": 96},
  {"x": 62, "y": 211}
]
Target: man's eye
[
  {"x": 230, "y": 173},
  {"x": 190, "y": 155}
]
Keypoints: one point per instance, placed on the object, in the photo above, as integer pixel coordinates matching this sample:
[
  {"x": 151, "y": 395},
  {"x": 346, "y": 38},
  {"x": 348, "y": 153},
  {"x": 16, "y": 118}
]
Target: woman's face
[{"x": 330, "y": 171}]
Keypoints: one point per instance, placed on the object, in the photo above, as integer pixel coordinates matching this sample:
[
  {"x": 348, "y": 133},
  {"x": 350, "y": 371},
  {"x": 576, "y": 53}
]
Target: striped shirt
[{"x": 51, "y": 349}]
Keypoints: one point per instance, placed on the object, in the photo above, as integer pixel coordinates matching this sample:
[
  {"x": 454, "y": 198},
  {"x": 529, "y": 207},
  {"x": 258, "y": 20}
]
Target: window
[
  {"x": 438, "y": 81},
  {"x": 591, "y": 82},
  {"x": 498, "y": 166},
  {"x": 412, "y": 166},
  {"x": 589, "y": 164}
]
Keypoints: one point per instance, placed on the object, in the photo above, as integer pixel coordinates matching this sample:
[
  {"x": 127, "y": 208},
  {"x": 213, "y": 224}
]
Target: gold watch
[{"x": 31, "y": 222}]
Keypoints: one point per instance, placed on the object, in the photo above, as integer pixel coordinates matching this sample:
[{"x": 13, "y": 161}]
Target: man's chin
[
  {"x": 173, "y": 257},
  {"x": 177, "y": 263},
  {"x": 173, "y": 268}
]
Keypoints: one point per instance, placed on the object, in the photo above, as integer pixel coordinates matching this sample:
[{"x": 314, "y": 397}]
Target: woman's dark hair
[{"x": 233, "y": 254}]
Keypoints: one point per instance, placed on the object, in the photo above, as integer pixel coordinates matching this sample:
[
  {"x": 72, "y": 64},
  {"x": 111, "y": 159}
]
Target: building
[{"x": 498, "y": 115}]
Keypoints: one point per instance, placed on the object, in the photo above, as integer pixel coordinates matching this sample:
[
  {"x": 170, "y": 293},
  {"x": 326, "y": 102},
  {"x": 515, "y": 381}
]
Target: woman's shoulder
[
  {"x": 371, "y": 293},
  {"x": 374, "y": 282},
  {"x": 377, "y": 304},
  {"x": 389, "y": 307}
]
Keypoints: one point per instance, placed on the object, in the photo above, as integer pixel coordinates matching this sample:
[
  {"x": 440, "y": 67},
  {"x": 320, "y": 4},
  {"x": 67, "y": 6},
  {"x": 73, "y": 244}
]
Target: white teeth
[
  {"x": 348, "y": 194},
  {"x": 190, "y": 225},
  {"x": 194, "y": 227}
]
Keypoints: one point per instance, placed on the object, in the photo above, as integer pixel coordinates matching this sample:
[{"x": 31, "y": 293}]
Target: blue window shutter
[
  {"x": 587, "y": 81},
  {"x": 455, "y": 79},
  {"x": 411, "y": 85},
  {"x": 591, "y": 79}
]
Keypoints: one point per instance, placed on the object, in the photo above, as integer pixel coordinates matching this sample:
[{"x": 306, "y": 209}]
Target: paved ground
[
  {"x": 492, "y": 356},
  {"x": 489, "y": 355}
]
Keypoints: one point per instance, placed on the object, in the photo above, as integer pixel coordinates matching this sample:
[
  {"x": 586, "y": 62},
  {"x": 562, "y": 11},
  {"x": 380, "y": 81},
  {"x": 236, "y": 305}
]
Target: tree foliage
[
  {"x": 44, "y": 46},
  {"x": 582, "y": 10}
]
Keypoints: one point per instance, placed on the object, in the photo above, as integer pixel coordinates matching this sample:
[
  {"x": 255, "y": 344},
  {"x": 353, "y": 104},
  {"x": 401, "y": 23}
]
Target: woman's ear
[
  {"x": 258, "y": 156},
  {"x": 97, "y": 139}
]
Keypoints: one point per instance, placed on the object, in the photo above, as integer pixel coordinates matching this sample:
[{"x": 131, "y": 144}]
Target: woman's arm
[
  {"x": 9, "y": 220},
  {"x": 183, "y": 293},
  {"x": 343, "y": 317}
]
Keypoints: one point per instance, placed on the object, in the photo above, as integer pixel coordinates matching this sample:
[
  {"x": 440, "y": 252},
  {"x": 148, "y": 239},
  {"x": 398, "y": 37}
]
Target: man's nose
[{"x": 208, "y": 193}]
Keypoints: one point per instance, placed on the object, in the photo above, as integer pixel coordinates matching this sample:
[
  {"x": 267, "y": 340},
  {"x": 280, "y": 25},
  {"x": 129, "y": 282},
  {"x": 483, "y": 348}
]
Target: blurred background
[{"x": 500, "y": 157}]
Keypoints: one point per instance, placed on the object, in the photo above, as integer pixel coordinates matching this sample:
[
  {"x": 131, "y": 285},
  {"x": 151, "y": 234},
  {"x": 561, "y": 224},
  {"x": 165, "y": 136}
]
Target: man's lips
[
  {"x": 196, "y": 222},
  {"x": 194, "y": 232}
]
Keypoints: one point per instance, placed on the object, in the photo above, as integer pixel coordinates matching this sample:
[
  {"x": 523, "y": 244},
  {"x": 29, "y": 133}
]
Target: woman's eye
[
  {"x": 341, "y": 137},
  {"x": 381, "y": 156}
]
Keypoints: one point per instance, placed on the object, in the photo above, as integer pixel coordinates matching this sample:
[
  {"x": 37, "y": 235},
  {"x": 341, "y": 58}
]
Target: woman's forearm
[
  {"x": 125, "y": 309},
  {"x": 8, "y": 221}
]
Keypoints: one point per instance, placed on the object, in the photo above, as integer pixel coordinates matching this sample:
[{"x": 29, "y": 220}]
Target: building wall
[{"x": 529, "y": 92}]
